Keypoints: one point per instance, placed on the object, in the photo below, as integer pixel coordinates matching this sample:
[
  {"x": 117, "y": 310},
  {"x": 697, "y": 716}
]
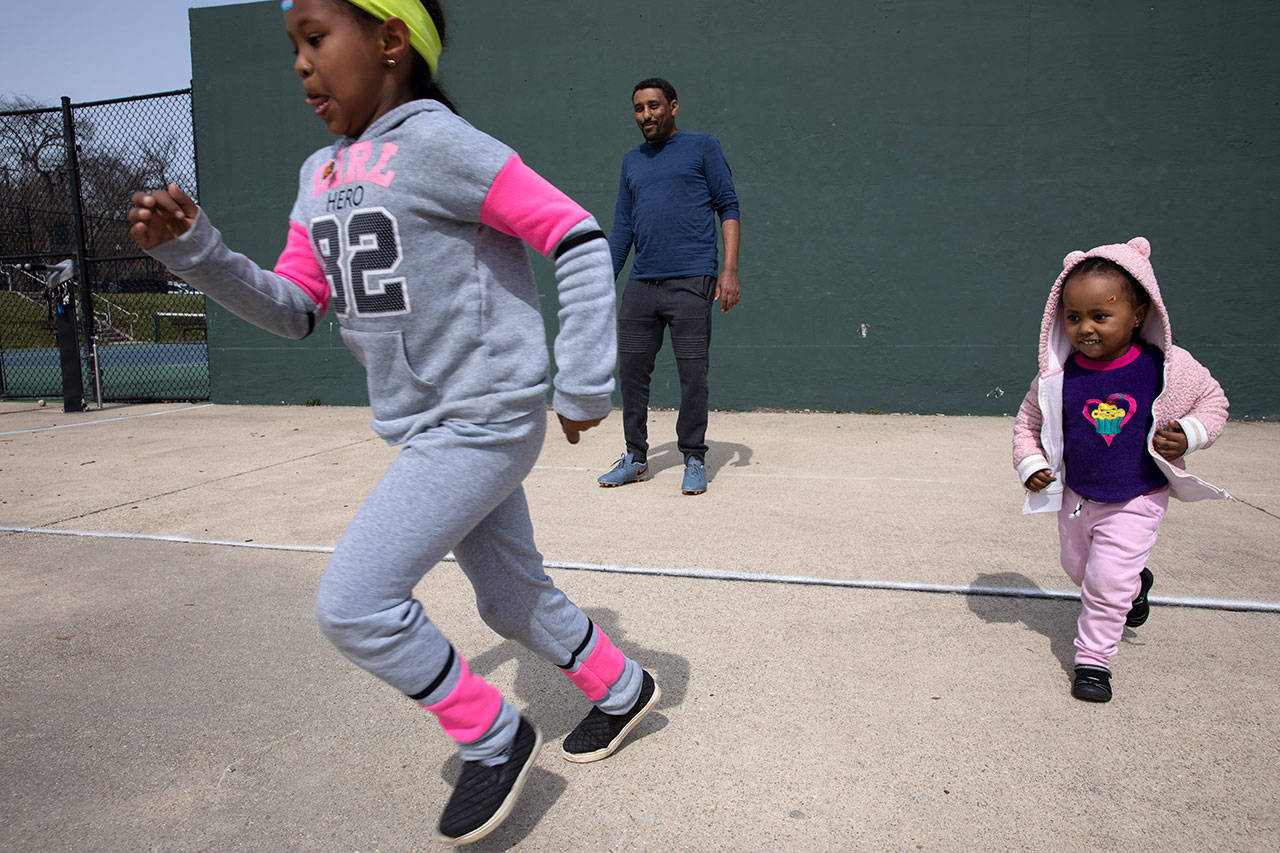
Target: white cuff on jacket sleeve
[
  {"x": 1197, "y": 435},
  {"x": 1030, "y": 465}
]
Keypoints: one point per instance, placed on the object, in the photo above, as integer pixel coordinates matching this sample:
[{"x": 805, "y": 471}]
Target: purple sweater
[{"x": 1106, "y": 416}]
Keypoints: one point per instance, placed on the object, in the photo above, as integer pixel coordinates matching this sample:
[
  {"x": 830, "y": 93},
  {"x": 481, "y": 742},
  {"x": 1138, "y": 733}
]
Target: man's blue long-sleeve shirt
[{"x": 668, "y": 196}]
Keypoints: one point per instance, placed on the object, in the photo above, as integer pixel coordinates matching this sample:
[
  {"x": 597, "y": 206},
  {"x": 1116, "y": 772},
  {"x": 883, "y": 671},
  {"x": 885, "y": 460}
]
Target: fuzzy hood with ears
[{"x": 1135, "y": 257}]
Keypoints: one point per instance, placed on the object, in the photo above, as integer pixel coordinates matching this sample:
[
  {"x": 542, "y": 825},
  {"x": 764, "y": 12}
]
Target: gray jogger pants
[{"x": 454, "y": 487}]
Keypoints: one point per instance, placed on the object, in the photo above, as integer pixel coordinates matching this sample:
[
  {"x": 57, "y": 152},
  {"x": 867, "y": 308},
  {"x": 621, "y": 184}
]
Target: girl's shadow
[
  {"x": 1053, "y": 618},
  {"x": 547, "y": 697},
  {"x": 550, "y": 699}
]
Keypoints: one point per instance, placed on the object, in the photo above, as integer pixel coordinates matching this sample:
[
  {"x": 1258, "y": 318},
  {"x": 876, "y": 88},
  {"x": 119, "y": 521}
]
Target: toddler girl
[{"x": 1101, "y": 435}]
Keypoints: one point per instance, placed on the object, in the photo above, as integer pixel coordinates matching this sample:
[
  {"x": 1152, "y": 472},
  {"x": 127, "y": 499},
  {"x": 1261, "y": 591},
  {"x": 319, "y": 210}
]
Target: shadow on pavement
[
  {"x": 1054, "y": 619},
  {"x": 719, "y": 455},
  {"x": 551, "y": 701}
]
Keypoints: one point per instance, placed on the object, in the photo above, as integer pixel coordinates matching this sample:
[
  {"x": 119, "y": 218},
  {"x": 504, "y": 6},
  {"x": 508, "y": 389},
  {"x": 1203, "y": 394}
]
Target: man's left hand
[{"x": 727, "y": 291}]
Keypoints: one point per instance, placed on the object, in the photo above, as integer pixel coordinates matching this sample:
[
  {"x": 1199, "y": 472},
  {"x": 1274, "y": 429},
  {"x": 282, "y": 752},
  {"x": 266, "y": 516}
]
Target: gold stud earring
[{"x": 389, "y": 62}]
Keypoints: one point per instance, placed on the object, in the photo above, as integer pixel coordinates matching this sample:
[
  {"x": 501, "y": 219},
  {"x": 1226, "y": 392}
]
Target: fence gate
[{"x": 66, "y": 176}]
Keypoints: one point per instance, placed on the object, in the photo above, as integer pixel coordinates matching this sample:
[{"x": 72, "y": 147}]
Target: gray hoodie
[{"x": 413, "y": 234}]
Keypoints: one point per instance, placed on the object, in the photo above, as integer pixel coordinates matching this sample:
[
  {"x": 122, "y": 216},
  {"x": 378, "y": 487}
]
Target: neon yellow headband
[{"x": 422, "y": 31}]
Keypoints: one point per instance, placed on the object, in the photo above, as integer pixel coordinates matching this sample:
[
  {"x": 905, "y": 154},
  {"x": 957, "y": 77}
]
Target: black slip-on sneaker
[
  {"x": 599, "y": 734},
  {"x": 484, "y": 796}
]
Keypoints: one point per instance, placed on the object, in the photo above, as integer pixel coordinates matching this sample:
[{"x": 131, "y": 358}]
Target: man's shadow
[
  {"x": 549, "y": 699},
  {"x": 1052, "y": 618},
  {"x": 719, "y": 454}
]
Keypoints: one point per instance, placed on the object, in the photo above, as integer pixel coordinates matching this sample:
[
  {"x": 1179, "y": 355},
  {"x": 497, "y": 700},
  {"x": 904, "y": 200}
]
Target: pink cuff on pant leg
[
  {"x": 469, "y": 709},
  {"x": 600, "y": 670}
]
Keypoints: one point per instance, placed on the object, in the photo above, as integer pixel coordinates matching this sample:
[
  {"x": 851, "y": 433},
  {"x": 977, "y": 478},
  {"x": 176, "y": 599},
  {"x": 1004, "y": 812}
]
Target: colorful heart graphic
[{"x": 1108, "y": 418}]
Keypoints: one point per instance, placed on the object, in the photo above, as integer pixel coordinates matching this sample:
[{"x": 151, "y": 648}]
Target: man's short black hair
[{"x": 656, "y": 83}]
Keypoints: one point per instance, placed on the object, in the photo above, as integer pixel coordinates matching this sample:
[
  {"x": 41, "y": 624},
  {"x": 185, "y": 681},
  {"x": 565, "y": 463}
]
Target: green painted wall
[{"x": 910, "y": 176}]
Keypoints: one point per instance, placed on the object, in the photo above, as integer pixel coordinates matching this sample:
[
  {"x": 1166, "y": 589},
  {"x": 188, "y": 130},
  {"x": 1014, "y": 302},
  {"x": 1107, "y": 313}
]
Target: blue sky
[{"x": 92, "y": 50}]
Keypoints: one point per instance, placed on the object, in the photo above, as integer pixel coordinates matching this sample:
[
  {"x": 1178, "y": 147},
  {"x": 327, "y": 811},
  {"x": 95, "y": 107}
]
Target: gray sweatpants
[{"x": 455, "y": 487}]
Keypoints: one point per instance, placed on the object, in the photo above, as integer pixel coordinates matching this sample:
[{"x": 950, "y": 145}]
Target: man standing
[{"x": 672, "y": 187}]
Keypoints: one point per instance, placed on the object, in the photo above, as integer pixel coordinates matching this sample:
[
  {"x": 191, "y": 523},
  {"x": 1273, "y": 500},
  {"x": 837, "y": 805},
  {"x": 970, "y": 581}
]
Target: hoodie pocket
[{"x": 395, "y": 390}]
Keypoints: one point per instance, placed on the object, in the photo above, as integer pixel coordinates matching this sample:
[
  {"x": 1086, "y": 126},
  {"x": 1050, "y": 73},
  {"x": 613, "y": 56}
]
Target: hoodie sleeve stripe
[
  {"x": 522, "y": 203},
  {"x": 298, "y": 264}
]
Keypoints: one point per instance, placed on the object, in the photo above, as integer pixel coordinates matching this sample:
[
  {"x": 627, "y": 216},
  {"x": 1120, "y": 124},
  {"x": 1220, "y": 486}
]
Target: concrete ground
[{"x": 163, "y": 685}]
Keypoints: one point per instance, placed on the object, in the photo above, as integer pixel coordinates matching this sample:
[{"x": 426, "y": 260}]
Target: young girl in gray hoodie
[{"x": 411, "y": 227}]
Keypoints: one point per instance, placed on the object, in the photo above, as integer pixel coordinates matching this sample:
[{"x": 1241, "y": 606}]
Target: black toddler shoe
[
  {"x": 1141, "y": 610},
  {"x": 1092, "y": 683}
]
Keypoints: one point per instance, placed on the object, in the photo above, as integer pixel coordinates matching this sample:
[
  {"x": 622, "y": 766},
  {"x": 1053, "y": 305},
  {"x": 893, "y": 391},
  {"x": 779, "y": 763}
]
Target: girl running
[{"x": 410, "y": 228}]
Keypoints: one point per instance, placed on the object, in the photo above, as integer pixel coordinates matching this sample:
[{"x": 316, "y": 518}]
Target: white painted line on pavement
[
  {"x": 678, "y": 470},
  {"x": 108, "y": 420},
  {"x": 709, "y": 574},
  {"x": 151, "y": 537}
]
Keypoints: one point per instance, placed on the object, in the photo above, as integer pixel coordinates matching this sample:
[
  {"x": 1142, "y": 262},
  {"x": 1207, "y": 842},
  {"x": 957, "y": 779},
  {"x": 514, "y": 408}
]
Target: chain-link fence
[{"x": 66, "y": 176}]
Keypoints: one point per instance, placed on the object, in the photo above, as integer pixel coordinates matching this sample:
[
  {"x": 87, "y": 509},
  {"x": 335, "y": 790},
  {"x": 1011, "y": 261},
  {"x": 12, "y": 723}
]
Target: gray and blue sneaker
[
  {"x": 625, "y": 470},
  {"x": 695, "y": 477}
]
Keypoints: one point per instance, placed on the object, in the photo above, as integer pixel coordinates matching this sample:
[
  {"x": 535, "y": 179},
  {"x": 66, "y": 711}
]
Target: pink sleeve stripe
[
  {"x": 524, "y": 204},
  {"x": 298, "y": 264}
]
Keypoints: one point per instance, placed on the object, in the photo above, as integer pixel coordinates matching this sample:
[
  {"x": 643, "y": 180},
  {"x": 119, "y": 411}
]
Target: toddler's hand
[
  {"x": 160, "y": 215},
  {"x": 1170, "y": 441},
  {"x": 572, "y": 429},
  {"x": 1039, "y": 480}
]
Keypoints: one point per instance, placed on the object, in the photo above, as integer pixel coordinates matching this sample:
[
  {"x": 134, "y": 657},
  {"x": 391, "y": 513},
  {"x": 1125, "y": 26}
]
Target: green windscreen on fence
[{"x": 910, "y": 177}]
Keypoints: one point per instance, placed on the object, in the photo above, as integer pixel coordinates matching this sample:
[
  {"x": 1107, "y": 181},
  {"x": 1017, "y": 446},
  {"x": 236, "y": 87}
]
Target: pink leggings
[{"x": 1104, "y": 548}]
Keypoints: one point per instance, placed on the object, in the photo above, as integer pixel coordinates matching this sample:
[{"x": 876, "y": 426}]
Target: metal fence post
[{"x": 82, "y": 255}]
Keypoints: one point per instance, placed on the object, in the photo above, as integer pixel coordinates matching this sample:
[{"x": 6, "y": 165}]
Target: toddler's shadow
[{"x": 1053, "y": 618}]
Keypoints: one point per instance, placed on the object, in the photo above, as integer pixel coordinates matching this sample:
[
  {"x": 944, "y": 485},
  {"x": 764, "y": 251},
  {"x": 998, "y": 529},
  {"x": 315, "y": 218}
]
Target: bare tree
[
  {"x": 114, "y": 160},
  {"x": 33, "y": 188}
]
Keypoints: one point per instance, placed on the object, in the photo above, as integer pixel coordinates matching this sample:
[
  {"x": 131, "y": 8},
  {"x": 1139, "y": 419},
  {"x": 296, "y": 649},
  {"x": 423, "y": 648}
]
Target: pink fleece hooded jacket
[{"x": 1190, "y": 396}]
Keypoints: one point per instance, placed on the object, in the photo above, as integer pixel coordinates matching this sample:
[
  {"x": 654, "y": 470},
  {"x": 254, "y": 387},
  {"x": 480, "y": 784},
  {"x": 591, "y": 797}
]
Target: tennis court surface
[{"x": 861, "y": 644}]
